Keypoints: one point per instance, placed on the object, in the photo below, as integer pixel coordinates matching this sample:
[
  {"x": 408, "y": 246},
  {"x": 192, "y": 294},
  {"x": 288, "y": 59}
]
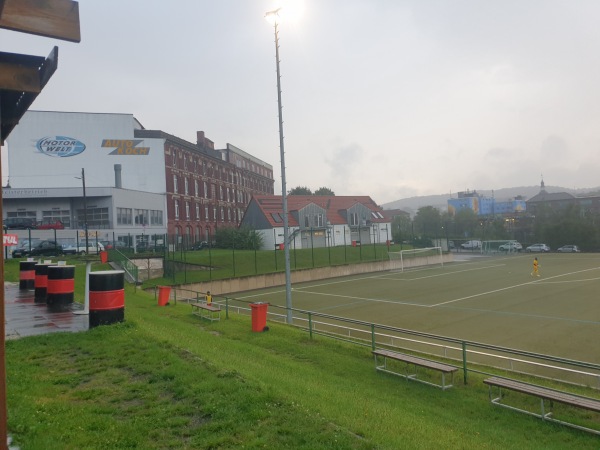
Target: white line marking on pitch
[{"x": 512, "y": 287}]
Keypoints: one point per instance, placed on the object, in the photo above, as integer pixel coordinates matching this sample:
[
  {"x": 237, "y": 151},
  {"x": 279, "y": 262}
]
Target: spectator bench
[
  {"x": 543, "y": 394},
  {"x": 416, "y": 362},
  {"x": 204, "y": 310}
]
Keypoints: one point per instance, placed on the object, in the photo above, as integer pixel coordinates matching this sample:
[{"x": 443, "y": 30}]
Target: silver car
[
  {"x": 540, "y": 248},
  {"x": 568, "y": 249}
]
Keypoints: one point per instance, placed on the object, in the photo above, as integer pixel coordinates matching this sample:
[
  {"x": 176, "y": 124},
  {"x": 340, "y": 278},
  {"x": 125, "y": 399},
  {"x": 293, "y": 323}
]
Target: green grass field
[
  {"x": 166, "y": 379},
  {"x": 492, "y": 300}
]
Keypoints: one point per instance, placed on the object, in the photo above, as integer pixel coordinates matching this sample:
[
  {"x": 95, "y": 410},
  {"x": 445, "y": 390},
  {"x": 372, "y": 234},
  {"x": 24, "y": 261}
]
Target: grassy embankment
[{"x": 166, "y": 379}]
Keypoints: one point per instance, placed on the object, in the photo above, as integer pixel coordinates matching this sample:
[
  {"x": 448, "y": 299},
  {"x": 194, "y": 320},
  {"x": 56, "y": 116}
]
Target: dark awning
[{"x": 22, "y": 78}]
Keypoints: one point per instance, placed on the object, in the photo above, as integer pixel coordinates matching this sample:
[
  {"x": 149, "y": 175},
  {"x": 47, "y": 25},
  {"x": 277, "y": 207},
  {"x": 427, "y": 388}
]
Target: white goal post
[{"x": 417, "y": 257}]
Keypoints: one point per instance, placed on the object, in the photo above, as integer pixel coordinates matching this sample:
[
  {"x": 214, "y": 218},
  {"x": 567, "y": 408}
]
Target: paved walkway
[{"x": 24, "y": 317}]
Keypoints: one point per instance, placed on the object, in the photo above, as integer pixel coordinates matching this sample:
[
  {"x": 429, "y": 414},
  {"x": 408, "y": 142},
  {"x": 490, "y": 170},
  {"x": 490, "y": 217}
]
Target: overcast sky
[{"x": 385, "y": 98}]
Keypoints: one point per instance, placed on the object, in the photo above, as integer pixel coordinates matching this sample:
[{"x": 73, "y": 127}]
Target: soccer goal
[
  {"x": 506, "y": 246},
  {"x": 415, "y": 257}
]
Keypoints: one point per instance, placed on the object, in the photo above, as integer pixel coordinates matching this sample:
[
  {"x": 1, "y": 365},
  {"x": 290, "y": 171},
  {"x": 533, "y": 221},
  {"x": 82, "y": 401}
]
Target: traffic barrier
[
  {"x": 27, "y": 275},
  {"x": 107, "y": 297},
  {"x": 41, "y": 282},
  {"x": 61, "y": 286}
]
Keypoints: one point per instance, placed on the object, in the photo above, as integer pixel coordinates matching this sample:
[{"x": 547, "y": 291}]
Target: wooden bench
[
  {"x": 414, "y": 362},
  {"x": 543, "y": 394},
  {"x": 206, "y": 311}
]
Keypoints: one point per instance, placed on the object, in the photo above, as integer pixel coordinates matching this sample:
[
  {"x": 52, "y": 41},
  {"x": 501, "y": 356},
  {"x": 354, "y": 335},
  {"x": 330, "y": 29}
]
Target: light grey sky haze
[{"x": 386, "y": 98}]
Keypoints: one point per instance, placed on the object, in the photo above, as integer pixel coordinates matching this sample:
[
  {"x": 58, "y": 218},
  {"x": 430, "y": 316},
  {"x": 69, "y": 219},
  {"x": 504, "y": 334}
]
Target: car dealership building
[{"x": 138, "y": 183}]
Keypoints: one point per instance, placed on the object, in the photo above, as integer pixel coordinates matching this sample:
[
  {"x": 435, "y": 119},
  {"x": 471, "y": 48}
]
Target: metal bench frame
[
  {"x": 206, "y": 311},
  {"x": 415, "y": 362},
  {"x": 543, "y": 394}
]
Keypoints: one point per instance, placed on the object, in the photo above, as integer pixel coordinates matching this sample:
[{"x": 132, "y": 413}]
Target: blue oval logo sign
[{"x": 60, "y": 146}]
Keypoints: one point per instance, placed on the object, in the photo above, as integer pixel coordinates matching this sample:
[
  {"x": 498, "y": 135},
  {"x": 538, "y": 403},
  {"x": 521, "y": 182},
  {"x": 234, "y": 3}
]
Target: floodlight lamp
[{"x": 273, "y": 17}]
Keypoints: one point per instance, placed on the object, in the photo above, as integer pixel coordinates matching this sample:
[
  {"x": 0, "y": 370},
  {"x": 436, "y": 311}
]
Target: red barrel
[
  {"x": 27, "y": 275},
  {"x": 107, "y": 297},
  {"x": 41, "y": 282},
  {"x": 259, "y": 316},
  {"x": 164, "y": 292},
  {"x": 61, "y": 286}
]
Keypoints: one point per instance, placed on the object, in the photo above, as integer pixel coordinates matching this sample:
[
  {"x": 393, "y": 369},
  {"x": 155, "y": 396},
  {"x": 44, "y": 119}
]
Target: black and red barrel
[
  {"x": 61, "y": 286},
  {"x": 27, "y": 275},
  {"x": 41, "y": 282},
  {"x": 107, "y": 297}
]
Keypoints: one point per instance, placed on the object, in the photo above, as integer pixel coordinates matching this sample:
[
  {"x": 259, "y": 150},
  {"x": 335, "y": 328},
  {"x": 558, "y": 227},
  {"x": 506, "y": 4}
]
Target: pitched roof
[
  {"x": 334, "y": 206},
  {"x": 544, "y": 196}
]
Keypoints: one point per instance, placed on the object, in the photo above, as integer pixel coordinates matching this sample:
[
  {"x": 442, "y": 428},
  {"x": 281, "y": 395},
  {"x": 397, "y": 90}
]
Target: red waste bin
[
  {"x": 164, "y": 292},
  {"x": 104, "y": 256},
  {"x": 259, "y": 316}
]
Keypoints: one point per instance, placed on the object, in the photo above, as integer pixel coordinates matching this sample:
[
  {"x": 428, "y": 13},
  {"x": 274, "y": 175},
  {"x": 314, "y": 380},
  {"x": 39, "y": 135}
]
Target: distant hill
[{"x": 412, "y": 204}]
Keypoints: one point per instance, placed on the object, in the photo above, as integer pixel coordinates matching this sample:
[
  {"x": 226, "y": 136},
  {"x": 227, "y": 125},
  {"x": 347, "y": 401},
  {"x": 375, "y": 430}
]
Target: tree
[
  {"x": 427, "y": 221},
  {"x": 243, "y": 238},
  {"x": 300, "y": 190},
  {"x": 324, "y": 191}
]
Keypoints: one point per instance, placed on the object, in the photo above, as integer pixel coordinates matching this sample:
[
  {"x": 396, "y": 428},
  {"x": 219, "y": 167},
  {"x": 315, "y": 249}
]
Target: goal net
[
  {"x": 498, "y": 246},
  {"x": 405, "y": 259}
]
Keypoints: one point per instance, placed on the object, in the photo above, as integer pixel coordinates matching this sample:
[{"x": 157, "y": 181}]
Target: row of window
[
  {"x": 96, "y": 217},
  {"x": 226, "y": 194},
  {"x": 226, "y": 175},
  {"x": 131, "y": 216},
  {"x": 226, "y": 214}
]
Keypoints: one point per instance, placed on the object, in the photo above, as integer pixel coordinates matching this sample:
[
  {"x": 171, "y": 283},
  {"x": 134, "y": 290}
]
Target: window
[
  {"x": 228, "y": 214},
  {"x": 206, "y": 213},
  {"x": 124, "y": 216},
  {"x": 353, "y": 219},
  {"x": 196, "y": 188},
  {"x": 205, "y": 189},
  {"x": 176, "y": 209},
  {"x": 220, "y": 192},
  {"x": 276, "y": 217},
  {"x": 96, "y": 218},
  {"x": 174, "y": 158},
  {"x": 175, "y": 186},
  {"x": 186, "y": 186},
  {"x": 222, "y": 215},
  {"x": 56, "y": 215},
  {"x": 184, "y": 162},
  {"x": 213, "y": 191},
  {"x": 319, "y": 220},
  {"x": 187, "y": 210},
  {"x": 156, "y": 217},
  {"x": 141, "y": 217},
  {"x": 214, "y": 213},
  {"x": 197, "y": 211}
]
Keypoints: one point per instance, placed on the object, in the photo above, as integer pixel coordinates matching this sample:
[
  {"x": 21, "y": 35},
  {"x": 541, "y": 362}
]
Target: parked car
[
  {"x": 46, "y": 248},
  {"x": 568, "y": 249},
  {"x": 92, "y": 249},
  {"x": 512, "y": 246},
  {"x": 20, "y": 223},
  {"x": 471, "y": 245},
  {"x": 51, "y": 225},
  {"x": 24, "y": 246},
  {"x": 199, "y": 245},
  {"x": 543, "y": 248}
]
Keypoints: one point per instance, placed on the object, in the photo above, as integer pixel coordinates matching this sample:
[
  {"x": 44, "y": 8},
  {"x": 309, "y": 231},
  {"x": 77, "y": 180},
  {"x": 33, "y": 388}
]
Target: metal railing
[{"x": 472, "y": 357}]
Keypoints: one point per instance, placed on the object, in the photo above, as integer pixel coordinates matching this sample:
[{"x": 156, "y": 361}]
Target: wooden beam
[
  {"x": 14, "y": 77},
  {"x": 50, "y": 18}
]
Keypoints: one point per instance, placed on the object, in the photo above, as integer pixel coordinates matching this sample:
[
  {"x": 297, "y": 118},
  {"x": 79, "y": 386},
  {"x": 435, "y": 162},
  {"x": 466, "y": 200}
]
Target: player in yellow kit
[{"x": 536, "y": 266}]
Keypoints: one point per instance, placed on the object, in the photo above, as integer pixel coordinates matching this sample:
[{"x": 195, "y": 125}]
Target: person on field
[
  {"x": 536, "y": 267},
  {"x": 208, "y": 298}
]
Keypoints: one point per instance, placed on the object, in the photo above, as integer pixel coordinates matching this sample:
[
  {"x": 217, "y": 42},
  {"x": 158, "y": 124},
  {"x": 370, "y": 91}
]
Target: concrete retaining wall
[{"x": 232, "y": 285}]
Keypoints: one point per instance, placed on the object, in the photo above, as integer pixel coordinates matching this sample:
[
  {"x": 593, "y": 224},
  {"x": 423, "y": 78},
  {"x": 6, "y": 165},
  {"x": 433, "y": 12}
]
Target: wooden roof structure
[{"x": 22, "y": 77}]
